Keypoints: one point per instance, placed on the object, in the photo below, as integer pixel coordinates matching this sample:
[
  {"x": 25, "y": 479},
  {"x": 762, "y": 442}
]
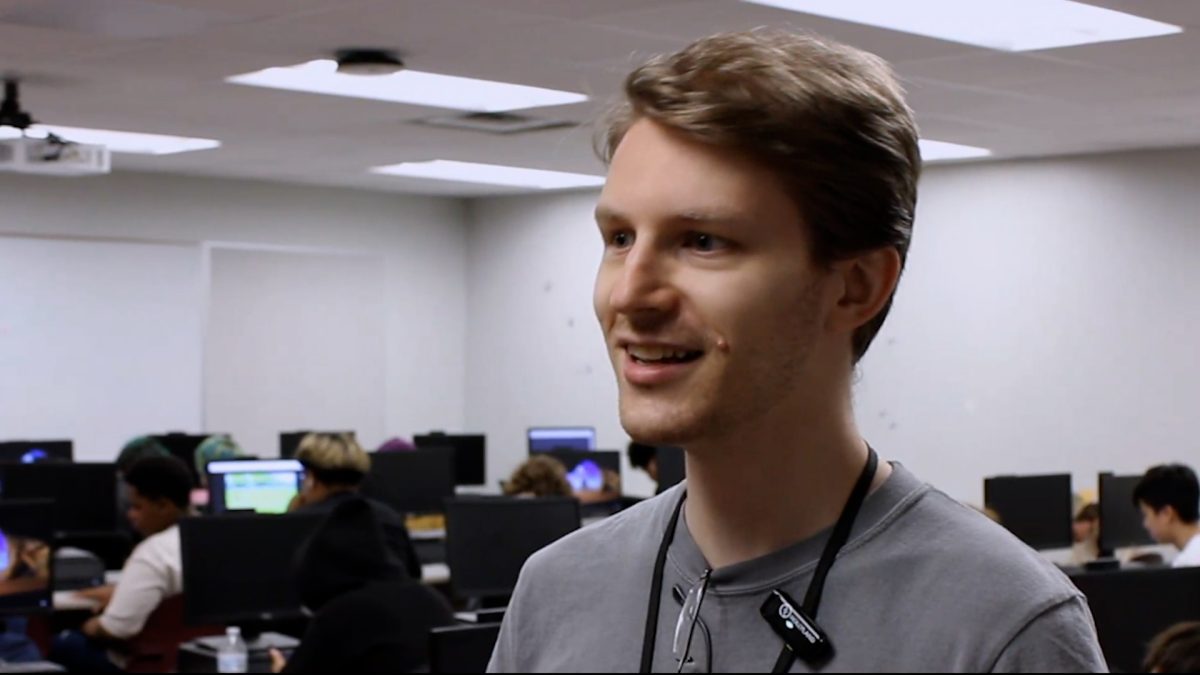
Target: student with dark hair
[
  {"x": 1169, "y": 497},
  {"x": 368, "y": 614},
  {"x": 158, "y": 489},
  {"x": 644, "y": 457},
  {"x": 1175, "y": 650},
  {"x": 335, "y": 466}
]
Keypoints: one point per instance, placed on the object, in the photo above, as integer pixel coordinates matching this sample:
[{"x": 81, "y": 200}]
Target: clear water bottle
[{"x": 232, "y": 657}]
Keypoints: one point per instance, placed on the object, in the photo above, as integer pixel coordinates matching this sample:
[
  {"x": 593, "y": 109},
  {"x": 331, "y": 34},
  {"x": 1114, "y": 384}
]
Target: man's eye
[
  {"x": 621, "y": 239},
  {"x": 705, "y": 243}
]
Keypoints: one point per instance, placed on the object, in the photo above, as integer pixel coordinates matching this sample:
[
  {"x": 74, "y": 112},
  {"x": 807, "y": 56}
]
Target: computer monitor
[
  {"x": 463, "y": 648},
  {"x": 259, "y": 485},
  {"x": 84, "y": 495},
  {"x": 31, "y": 452},
  {"x": 488, "y": 539},
  {"x": 289, "y": 441},
  {"x": 585, "y": 468},
  {"x": 237, "y": 568},
  {"x": 183, "y": 446},
  {"x": 1131, "y": 606},
  {"x": 470, "y": 454},
  {"x": 1038, "y": 509},
  {"x": 561, "y": 438},
  {"x": 672, "y": 467},
  {"x": 25, "y": 536},
  {"x": 413, "y": 481},
  {"x": 1120, "y": 519}
]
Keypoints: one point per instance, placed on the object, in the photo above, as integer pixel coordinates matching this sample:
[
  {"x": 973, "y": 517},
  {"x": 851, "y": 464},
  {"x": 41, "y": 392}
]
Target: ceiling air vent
[{"x": 495, "y": 122}]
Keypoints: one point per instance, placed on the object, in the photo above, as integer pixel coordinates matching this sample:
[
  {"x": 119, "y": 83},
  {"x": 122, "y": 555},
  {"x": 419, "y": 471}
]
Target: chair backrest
[{"x": 156, "y": 648}]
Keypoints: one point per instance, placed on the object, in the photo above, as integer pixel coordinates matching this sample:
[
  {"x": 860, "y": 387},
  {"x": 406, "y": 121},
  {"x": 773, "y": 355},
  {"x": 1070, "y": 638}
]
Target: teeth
[{"x": 655, "y": 353}]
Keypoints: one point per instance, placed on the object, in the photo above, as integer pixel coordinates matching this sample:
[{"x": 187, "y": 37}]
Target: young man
[
  {"x": 159, "y": 489},
  {"x": 335, "y": 466},
  {"x": 755, "y": 221},
  {"x": 1169, "y": 497}
]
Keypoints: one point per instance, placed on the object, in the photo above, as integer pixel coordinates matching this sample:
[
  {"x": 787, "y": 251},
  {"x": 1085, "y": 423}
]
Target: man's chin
[{"x": 665, "y": 429}]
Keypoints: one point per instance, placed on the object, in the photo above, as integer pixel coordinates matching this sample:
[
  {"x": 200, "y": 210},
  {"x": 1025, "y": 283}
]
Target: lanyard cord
[{"x": 812, "y": 599}]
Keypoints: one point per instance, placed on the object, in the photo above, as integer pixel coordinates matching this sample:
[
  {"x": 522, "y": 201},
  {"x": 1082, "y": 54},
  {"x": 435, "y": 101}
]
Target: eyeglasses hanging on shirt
[{"x": 794, "y": 623}]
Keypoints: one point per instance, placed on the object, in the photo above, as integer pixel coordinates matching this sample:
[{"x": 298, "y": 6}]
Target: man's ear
[{"x": 867, "y": 282}]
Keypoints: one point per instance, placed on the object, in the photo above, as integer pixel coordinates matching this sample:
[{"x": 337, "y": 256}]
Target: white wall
[
  {"x": 1047, "y": 322},
  {"x": 421, "y": 242}
]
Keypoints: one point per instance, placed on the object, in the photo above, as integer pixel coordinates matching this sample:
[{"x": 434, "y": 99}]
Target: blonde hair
[
  {"x": 829, "y": 119},
  {"x": 540, "y": 476},
  {"x": 335, "y": 459}
]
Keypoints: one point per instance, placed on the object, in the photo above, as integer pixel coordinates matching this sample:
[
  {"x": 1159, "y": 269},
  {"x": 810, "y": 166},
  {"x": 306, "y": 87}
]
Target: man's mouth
[{"x": 657, "y": 355}]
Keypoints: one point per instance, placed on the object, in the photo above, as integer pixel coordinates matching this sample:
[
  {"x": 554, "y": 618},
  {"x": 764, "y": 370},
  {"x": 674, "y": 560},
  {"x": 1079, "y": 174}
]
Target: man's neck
[
  {"x": 1184, "y": 534},
  {"x": 771, "y": 485}
]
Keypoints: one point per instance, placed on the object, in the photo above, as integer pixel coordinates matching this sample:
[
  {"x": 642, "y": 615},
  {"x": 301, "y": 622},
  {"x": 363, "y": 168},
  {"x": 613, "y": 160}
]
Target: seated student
[
  {"x": 334, "y": 468},
  {"x": 28, "y": 559},
  {"x": 215, "y": 449},
  {"x": 1085, "y": 531},
  {"x": 1175, "y": 650},
  {"x": 1169, "y": 497},
  {"x": 158, "y": 489},
  {"x": 539, "y": 476},
  {"x": 644, "y": 457},
  {"x": 137, "y": 448},
  {"x": 368, "y": 614}
]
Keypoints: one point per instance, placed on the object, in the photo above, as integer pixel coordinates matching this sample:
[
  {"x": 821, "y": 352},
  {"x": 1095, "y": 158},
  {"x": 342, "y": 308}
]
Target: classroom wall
[
  {"x": 1047, "y": 322},
  {"x": 414, "y": 245}
]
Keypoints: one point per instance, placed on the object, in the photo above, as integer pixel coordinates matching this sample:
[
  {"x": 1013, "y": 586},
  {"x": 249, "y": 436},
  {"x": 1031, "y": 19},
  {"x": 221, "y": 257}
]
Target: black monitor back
[
  {"x": 470, "y": 454},
  {"x": 488, "y": 539},
  {"x": 1130, "y": 607},
  {"x": 84, "y": 495},
  {"x": 672, "y": 467},
  {"x": 183, "y": 447},
  {"x": 464, "y": 648},
  {"x": 238, "y": 568},
  {"x": 411, "y": 481},
  {"x": 1120, "y": 518},
  {"x": 289, "y": 441},
  {"x": 29, "y": 452},
  {"x": 1037, "y": 509}
]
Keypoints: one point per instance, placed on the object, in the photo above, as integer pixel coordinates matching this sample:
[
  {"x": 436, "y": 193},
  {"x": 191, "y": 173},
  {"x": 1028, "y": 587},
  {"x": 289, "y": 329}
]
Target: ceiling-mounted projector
[
  {"x": 50, "y": 155},
  {"x": 53, "y": 156}
]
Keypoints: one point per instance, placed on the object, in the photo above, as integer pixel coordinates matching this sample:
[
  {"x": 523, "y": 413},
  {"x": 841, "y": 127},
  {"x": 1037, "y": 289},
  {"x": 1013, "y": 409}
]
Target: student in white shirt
[
  {"x": 1169, "y": 497},
  {"x": 159, "y": 489}
]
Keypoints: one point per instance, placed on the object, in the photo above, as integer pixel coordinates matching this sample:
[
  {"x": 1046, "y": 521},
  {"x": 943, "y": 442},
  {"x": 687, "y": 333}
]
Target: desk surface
[
  {"x": 71, "y": 600},
  {"x": 434, "y": 574}
]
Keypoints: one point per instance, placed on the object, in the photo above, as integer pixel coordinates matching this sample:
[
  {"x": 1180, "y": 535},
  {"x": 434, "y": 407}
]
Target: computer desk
[{"x": 71, "y": 601}]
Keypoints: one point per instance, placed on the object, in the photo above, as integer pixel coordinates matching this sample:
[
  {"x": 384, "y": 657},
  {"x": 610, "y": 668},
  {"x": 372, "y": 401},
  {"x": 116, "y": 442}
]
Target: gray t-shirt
[{"x": 923, "y": 584}]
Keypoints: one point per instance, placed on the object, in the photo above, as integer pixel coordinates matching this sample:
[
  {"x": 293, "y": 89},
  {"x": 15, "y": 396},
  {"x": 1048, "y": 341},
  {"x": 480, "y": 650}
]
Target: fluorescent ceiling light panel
[
  {"x": 490, "y": 174},
  {"x": 1008, "y": 25},
  {"x": 408, "y": 86},
  {"x": 118, "y": 141},
  {"x": 934, "y": 151}
]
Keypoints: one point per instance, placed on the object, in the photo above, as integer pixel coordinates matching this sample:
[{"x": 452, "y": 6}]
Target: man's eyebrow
[
  {"x": 608, "y": 214},
  {"x": 713, "y": 217}
]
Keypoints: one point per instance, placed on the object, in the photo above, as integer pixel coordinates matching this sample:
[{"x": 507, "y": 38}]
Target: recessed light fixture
[
  {"x": 935, "y": 151},
  {"x": 117, "y": 141},
  {"x": 490, "y": 174},
  {"x": 408, "y": 86},
  {"x": 1008, "y": 25}
]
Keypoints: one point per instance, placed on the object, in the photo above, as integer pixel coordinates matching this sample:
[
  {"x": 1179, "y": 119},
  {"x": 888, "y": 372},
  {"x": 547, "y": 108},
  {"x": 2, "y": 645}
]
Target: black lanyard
[{"x": 812, "y": 599}]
